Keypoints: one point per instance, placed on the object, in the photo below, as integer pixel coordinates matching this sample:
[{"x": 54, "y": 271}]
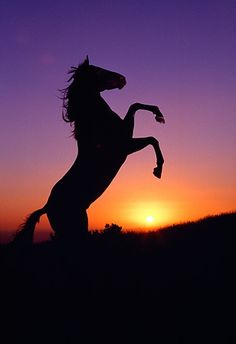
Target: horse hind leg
[{"x": 69, "y": 226}]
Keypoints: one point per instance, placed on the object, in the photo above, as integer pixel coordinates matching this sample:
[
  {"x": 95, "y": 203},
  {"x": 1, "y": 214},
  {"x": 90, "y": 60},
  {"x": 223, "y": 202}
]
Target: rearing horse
[{"x": 104, "y": 142}]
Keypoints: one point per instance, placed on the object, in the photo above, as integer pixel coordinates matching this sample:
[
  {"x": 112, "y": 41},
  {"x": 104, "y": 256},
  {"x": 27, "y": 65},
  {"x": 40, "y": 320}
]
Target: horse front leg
[
  {"x": 137, "y": 144},
  {"x": 129, "y": 118}
]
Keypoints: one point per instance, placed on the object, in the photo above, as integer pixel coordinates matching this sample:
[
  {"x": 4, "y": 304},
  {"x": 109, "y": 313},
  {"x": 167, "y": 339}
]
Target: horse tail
[{"x": 25, "y": 233}]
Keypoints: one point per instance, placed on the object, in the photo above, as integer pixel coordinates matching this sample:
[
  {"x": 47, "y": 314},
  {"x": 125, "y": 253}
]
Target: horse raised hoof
[
  {"x": 160, "y": 119},
  {"x": 158, "y": 115},
  {"x": 157, "y": 171}
]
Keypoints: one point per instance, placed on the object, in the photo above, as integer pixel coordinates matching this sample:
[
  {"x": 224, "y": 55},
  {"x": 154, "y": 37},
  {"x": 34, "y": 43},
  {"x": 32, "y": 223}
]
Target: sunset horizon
[{"x": 44, "y": 232}]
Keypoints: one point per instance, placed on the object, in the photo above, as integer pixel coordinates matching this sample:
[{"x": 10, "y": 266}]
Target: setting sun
[
  {"x": 150, "y": 219},
  {"x": 146, "y": 215}
]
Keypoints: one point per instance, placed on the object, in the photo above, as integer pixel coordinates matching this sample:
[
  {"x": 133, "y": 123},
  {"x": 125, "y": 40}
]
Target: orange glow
[{"x": 181, "y": 195}]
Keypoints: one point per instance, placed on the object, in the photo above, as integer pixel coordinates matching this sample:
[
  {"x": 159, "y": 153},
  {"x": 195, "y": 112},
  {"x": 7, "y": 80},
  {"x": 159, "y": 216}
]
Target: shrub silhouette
[{"x": 112, "y": 229}]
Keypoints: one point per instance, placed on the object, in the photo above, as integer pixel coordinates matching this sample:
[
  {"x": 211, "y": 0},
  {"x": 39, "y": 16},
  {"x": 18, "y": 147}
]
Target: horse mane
[{"x": 70, "y": 95}]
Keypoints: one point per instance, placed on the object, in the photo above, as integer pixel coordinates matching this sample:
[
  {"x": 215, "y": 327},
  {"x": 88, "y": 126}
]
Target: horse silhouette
[{"x": 104, "y": 142}]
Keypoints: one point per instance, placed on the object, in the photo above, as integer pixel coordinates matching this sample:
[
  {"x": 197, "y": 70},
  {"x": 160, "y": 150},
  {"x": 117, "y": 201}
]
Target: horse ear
[
  {"x": 86, "y": 62},
  {"x": 83, "y": 65}
]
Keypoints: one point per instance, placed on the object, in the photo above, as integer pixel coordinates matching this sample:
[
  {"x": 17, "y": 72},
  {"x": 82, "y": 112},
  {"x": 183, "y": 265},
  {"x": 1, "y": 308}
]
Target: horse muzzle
[{"x": 122, "y": 82}]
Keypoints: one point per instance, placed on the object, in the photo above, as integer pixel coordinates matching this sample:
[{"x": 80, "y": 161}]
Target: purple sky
[{"x": 179, "y": 55}]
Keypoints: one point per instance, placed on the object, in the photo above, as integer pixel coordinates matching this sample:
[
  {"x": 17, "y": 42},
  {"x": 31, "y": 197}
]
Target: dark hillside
[{"x": 175, "y": 285}]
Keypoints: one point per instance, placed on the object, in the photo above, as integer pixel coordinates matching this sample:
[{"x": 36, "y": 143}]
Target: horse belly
[{"x": 103, "y": 176}]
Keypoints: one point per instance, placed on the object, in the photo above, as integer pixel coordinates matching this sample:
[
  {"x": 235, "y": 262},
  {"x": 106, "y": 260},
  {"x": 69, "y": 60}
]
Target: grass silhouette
[{"x": 175, "y": 285}]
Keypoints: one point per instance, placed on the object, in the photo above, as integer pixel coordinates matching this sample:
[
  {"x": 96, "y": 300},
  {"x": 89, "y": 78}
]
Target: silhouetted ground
[{"x": 172, "y": 286}]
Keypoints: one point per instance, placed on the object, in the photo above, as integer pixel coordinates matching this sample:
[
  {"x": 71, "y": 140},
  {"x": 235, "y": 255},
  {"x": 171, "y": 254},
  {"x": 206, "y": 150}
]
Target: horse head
[{"x": 96, "y": 78}]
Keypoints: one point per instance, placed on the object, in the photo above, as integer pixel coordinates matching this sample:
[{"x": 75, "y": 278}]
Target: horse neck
[
  {"x": 97, "y": 101},
  {"x": 92, "y": 110},
  {"x": 88, "y": 99}
]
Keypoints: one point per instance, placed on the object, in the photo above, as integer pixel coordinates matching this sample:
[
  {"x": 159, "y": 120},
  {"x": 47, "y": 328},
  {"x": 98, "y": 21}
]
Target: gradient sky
[{"x": 179, "y": 55}]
